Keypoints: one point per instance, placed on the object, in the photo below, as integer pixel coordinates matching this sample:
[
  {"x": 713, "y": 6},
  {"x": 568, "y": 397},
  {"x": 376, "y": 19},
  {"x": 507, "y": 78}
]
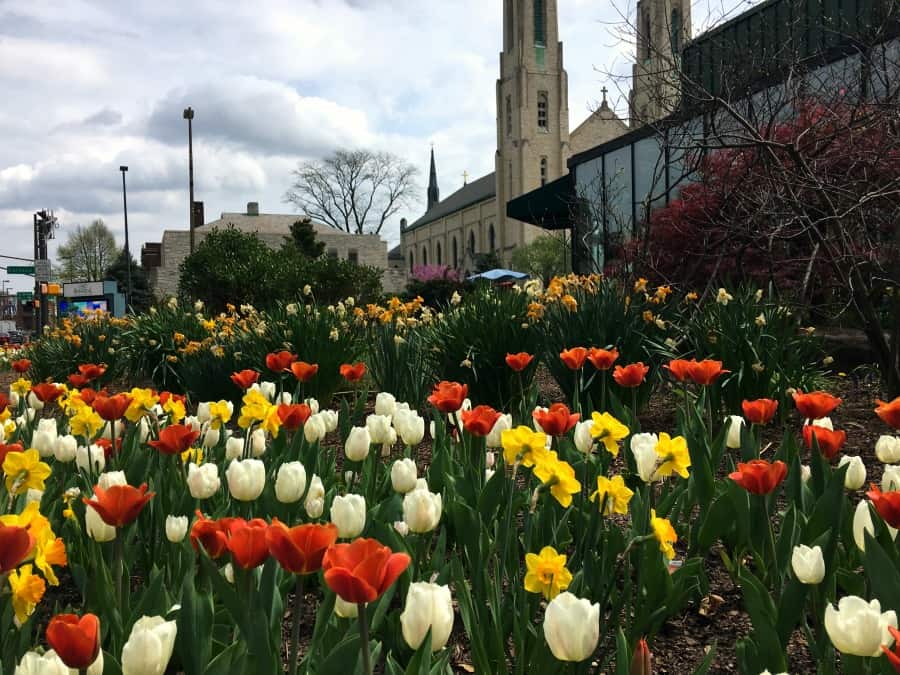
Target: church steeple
[{"x": 434, "y": 195}]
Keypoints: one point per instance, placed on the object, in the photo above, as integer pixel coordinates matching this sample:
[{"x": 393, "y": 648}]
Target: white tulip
[
  {"x": 805, "y": 472},
  {"x": 348, "y": 512},
  {"x": 572, "y": 627},
  {"x": 176, "y": 528},
  {"x": 858, "y": 627},
  {"x": 428, "y": 606},
  {"x": 65, "y": 448},
  {"x": 47, "y": 663},
  {"x": 290, "y": 483},
  {"x": 143, "y": 427},
  {"x": 735, "y": 423},
  {"x": 258, "y": 443},
  {"x": 313, "y": 405},
  {"x": 314, "y": 504},
  {"x": 203, "y": 481},
  {"x": 488, "y": 474},
  {"x": 246, "y": 479},
  {"x": 314, "y": 430},
  {"x": 149, "y": 647},
  {"x": 824, "y": 422},
  {"x": 234, "y": 448},
  {"x": 503, "y": 423},
  {"x": 228, "y": 573},
  {"x": 211, "y": 438},
  {"x": 584, "y": 442},
  {"x": 643, "y": 449},
  {"x": 344, "y": 609},
  {"x": 44, "y": 437},
  {"x": 489, "y": 460},
  {"x": 385, "y": 404},
  {"x": 410, "y": 426},
  {"x": 855, "y": 477},
  {"x": 203, "y": 415},
  {"x": 890, "y": 479},
  {"x": 268, "y": 390},
  {"x": 358, "y": 443},
  {"x": 862, "y": 523},
  {"x": 92, "y": 459},
  {"x": 422, "y": 509},
  {"x": 193, "y": 422},
  {"x": 110, "y": 478},
  {"x": 401, "y": 528},
  {"x": 887, "y": 449},
  {"x": 330, "y": 419},
  {"x": 107, "y": 430},
  {"x": 403, "y": 475},
  {"x": 286, "y": 398},
  {"x": 808, "y": 564},
  {"x": 34, "y": 402},
  {"x": 379, "y": 428},
  {"x": 96, "y": 527}
]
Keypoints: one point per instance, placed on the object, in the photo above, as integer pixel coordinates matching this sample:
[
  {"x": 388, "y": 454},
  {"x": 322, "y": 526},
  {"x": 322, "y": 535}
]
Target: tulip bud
[
  {"x": 641, "y": 660},
  {"x": 805, "y": 472},
  {"x": 149, "y": 647},
  {"x": 290, "y": 483},
  {"x": 110, "y": 478},
  {"x": 401, "y": 528},
  {"x": 489, "y": 460},
  {"x": 887, "y": 449},
  {"x": 330, "y": 418},
  {"x": 258, "y": 443},
  {"x": 313, "y": 405},
  {"x": 211, "y": 438},
  {"x": 357, "y": 445},
  {"x": 409, "y": 425},
  {"x": 143, "y": 429},
  {"x": 65, "y": 448},
  {"x": 890, "y": 479},
  {"x": 422, "y": 509},
  {"x": 203, "y": 415},
  {"x": 403, "y": 475},
  {"x": 348, "y": 512},
  {"x": 234, "y": 448},
  {"x": 96, "y": 528},
  {"x": 246, "y": 479},
  {"x": 379, "y": 428},
  {"x": 268, "y": 390},
  {"x": 572, "y": 627},
  {"x": 808, "y": 564},
  {"x": 44, "y": 437},
  {"x": 91, "y": 459},
  {"x": 858, "y": 627},
  {"x": 385, "y": 404},
  {"x": 428, "y": 606},
  {"x": 203, "y": 481},
  {"x": 583, "y": 439},
  {"x": 735, "y": 423},
  {"x": 314, "y": 429},
  {"x": 315, "y": 498},
  {"x": 503, "y": 423},
  {"x": 862, "y": 523},
  {"x": 488, "y": 474},
  {"x": 47, "y": 663},
  {"x": 228, "y": 572},
  {"x": 344, "y": 609},
  {"x": 176, "y": 528},
  {"x": 855, "y": 477},
  {"x": 643, "y": 449}
]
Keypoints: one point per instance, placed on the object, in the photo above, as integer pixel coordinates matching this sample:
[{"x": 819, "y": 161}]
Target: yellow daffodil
[
  {"x": 612, "y": 495},
  {"x": 664, "y": 533},
  {"x": 71, "y": 402},
  {"x": 609, "y": 431},
  {"x": 142, "y": 400},
  {"x": 272, "y": 422},
  {"x": 255, "y": 409},
  {"x": 27, "y": 591},
  {"x": 49, "y": 552},
  {"x": 219, "y": 413},
  {"x": 523, "y": 445},
  {"x": 546, "y": 573},
  {"x": 85, "y": 422},
  {"x": 24, "y": 471},
  {"x": 175, "y": 409},
  {"x": 559, "y": 477},
  {"x": 640, "y": 285},
  {"x": 5, "y": 415},
  {"x": 31, "y": 519},
  {"x": 21, "y": 387},
  {"x": 194, "y": 455},
  {"x": 674, "y": 454}
]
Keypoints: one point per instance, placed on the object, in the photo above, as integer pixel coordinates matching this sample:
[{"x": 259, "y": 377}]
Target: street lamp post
[
  {"x": 189, "y": 116},
  {"x": 123, "y": 169}
]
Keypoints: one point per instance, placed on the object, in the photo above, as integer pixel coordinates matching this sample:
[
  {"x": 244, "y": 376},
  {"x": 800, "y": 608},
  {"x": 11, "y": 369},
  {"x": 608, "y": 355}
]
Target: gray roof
[
  {"x": 471, "y": 193},
  {"x": 395, "y": 253}
]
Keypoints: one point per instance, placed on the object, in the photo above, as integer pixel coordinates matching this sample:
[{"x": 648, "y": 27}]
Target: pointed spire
[{"x": 434, "y": 195}]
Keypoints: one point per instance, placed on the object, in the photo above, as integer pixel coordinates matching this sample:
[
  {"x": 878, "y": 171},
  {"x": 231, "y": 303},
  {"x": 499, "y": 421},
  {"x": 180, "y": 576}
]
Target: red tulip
[
  {"x": 175, "y": 439},
  {"x": 631, "y": 375},
  {"x": 759, "y": 476},
  {"x": 830, "y": 442},
  {"x": 21, "y": 366},
  {"x": 448, "y": 397},
  {"x": 602, "y": 359},
  {"x": 574, "y": 358},
  {"x": 120, "y": 504},
  {"x": 46, "y": 392},
  {"x": 557, "y": 420},
  {"x": 889, "y": 412},
  {"x": 293, "y": 416},
  {"x": 8, "y": 448},
  {"x": 78, "y": 380},
  {"x": 91, "y": 370},
  {"x": 479, "y": 420},
  {"x": 705, "y": 372},
  {"x": 4, "y": 402},
  {"x": 362, "y": 570},
  {"x": 641, "y": 659},
  {"x": 893, "y": 656},
  {"x": 111, "y": 408},
  {"x": 245, "y": 378},
  {"x": 107, "y": 446},
  {"x": 760, "y": 411},
  {"x": 15, "y": 544},
  {"x": 210, "y": 535},
  {"x": 519, "y": 362},
  {"x": 887, "y": 504},
  {"x": 304, "y": 371},
  {"x": 246, "y": 541},
  {"x": 300, "y": 549},
  {"x": 816, "y": 404},
  {"x": 166, "y": 396},
  {"x": 75, "y": 640},
  {"x": 354, "y": 372},
  {"x": 278, "y": 362},
  {"x": 88, "y": 395},
  {"x": 679, "y": 369}
]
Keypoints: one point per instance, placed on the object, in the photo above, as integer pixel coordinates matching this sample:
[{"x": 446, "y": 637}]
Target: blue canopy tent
[{"x": 499, "y": 275}]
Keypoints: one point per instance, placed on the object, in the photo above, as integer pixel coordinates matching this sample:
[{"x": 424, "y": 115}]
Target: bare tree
[
  {"x": 87, "y": 253},
  {"x": 356, "y": 191}
]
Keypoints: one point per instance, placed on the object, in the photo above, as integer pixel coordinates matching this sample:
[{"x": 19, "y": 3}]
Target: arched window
[
  {"x": 542, "y": 110},
  {"x": 412, "y": 261},
  {"x": 543, "y": 171},
  {"x": 455, "y": 248},
  {"x": 676, "y": 32},
  {"x": 424, "y": 255},
  {"x": 471, "y": 242},
  {"x": 440, "y": 258},
  {"x": 492, "y": 243}
]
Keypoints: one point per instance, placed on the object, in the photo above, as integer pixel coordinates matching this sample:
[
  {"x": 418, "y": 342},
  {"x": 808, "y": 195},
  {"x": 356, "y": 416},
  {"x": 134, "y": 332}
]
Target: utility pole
[
  {"x": 44, "y": 224},
  {"x": 189, "y": 116},
  {"x": 123, "y": 169}
]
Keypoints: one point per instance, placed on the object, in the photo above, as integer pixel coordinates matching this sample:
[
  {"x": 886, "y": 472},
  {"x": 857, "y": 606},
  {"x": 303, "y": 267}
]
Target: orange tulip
[
  {"x": 246, "y": 541},
  {"x": 602, "y": 359},
  {"x": 479, "y": 420},
  {"x": 679, "y": 368},
  {"x": 91, "y": 370},
  {"x": 362, "y": 570},
  {"x": 705, "y": 372},
  {"x": 245, "y": 378},
  {"x": 210, "y": 535},
  {"x": 75, "y": 640},
  {"x": 448, "y": 397},
  {"x": 304, "y": 371},
  {"x": 300, "y": 549},
  {"x": 816, "y": 404},
  {"x": 279, "y": 362},
  {"x": 887, "y": 504},
  {"x": 120, "y": 504},
  {"x": 175, "y": 439},
  {"x": 519, "y": 362},
  {"x": 759, "y": 476},
  {"x": 15, "y": 544},
  {"x": 46, "y": 392},
  {"x": 631, "y": 375},
  {"x": 574, "y": 358},
  {"x": 830, "y": 442},
  {"x": 21, "y": 366},
  {"x": 166, "y": 396},
  {"x": 557, "y": 420},
  {"x": 293, "y": 416},
  {"x": 111, "y": 408},
  {"x": 760, "y": 411},
  {"x": 889, "y": 412},
  {"x": 354, "y": 372}
]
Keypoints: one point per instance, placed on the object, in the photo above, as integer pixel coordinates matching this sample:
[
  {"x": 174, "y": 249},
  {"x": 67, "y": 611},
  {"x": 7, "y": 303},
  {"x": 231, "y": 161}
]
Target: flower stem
[
  {"x": 295, "y": 627},
  {"x": 364, "y": 638},
  {"x": 118, "y": 564}
]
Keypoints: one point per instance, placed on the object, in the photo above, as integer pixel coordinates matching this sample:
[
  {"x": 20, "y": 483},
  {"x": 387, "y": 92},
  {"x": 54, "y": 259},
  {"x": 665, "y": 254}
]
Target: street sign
[
  {"x": 42, "y": 271},
  {"x": 20, "y": 269},
  {"x": 24, "y": 296},
  {"x": 83, "y": 289}
]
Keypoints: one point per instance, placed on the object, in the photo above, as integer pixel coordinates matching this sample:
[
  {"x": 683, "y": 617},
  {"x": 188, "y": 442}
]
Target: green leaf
[
  {"x": 882, "y": 573},
  {"x": 344, "y": 657},
  {"x": 193, "y": 642}
]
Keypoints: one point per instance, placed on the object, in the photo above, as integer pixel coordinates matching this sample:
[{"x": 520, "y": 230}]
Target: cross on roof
[
  {"x": 604, "y": 91},
  {"x": 465, "y": 175}
]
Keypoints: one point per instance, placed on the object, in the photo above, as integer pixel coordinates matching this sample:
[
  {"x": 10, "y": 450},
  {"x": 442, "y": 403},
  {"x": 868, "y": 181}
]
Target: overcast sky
[{"x": 89, "y": 85}]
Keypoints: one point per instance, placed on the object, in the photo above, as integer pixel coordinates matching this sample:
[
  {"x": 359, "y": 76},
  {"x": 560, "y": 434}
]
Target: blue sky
[{"x": 90, "y": 85}]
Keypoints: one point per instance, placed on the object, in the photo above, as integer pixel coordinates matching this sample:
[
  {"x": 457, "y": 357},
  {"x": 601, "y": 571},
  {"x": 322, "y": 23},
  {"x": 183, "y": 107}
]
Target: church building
[{"x": 533, "y": 138}]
